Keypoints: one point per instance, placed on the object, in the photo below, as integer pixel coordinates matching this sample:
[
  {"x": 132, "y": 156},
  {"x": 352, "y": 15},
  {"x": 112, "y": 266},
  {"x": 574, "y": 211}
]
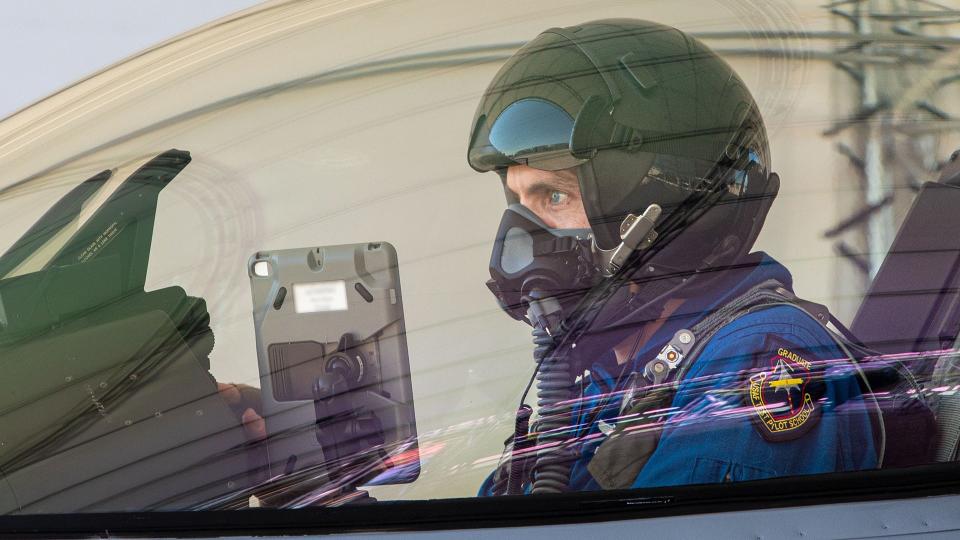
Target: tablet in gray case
[{"x": 332, "y": 352}]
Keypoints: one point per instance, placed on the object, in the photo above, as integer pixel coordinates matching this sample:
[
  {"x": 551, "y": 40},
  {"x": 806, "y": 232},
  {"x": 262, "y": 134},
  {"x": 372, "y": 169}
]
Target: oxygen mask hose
[
  {"x": 521, "y": 442},
  {"x": 554, "y": 377}
]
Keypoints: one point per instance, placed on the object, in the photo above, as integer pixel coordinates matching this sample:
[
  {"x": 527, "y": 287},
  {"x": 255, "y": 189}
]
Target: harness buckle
[{"x": 657, "y": 370}]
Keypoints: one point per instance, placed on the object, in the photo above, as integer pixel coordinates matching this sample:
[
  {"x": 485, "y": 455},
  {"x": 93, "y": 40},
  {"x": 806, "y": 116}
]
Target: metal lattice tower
[{"x": 903, "y": 61}]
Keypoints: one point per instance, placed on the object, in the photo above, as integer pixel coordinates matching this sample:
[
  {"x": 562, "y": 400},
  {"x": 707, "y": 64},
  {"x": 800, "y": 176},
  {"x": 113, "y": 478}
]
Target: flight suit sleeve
[{"x": 770, "y": 395}]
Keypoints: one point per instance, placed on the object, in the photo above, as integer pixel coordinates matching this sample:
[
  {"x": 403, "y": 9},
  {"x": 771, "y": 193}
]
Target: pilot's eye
[{"x": 558, "y": 197}]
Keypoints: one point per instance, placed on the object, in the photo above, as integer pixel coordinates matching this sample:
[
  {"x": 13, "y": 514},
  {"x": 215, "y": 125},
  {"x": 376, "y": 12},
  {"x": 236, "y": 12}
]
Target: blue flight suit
[{"x": 718, "y": 428}]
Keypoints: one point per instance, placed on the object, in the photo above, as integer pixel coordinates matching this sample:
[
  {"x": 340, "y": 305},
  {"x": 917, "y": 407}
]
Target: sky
[{"x": 46, "y": 45}]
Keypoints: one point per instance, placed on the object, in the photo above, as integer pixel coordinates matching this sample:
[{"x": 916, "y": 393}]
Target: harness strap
[
  {"x": 620, "y": 458},
  {"x": 686, "y": 344}
]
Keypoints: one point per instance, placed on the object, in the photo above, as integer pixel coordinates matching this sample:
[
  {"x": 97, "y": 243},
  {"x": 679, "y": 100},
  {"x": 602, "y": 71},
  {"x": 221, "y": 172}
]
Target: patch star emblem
[
  {"x": 784, "y": 408},
  {"x": 784, "y": 380}
]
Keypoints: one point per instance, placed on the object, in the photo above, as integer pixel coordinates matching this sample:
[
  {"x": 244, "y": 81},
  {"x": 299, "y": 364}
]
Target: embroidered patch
[{"x": 784, "y": 408}]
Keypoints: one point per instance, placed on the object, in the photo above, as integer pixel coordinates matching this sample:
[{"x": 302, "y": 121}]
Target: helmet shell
[{"x": 646, "y": 113}]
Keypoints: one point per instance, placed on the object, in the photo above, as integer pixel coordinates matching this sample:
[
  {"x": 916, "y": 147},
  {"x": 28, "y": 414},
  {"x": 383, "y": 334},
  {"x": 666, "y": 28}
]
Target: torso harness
[{"x": 621, "y": 456}]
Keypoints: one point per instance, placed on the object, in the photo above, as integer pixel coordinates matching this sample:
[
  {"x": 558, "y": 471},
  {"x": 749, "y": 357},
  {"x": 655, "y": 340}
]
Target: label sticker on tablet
[{"x": 320, "y": 296}]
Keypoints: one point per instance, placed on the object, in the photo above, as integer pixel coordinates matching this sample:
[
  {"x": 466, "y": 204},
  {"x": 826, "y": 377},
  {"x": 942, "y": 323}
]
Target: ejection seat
[{"x": 912, "y": 309}]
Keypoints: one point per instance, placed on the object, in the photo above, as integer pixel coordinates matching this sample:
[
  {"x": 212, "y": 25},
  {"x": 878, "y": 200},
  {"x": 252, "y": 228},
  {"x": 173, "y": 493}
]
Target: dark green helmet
[{"x": 646, "y": 114}]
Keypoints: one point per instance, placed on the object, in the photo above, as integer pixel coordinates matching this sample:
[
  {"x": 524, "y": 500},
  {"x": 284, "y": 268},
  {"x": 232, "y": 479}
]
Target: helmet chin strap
[{"x": 636, "y": 234}]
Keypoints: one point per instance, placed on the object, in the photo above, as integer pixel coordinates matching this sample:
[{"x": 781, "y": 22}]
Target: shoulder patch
[{"x": 783, "y": 406}]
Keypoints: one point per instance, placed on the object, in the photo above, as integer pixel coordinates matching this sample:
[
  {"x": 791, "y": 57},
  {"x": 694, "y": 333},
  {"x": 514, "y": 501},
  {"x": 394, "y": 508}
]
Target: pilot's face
[{"x": 554, "y": 196}]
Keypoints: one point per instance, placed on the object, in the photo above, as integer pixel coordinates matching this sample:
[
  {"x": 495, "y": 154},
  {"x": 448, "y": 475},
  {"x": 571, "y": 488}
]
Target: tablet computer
[{"x": 332, "y": 353}]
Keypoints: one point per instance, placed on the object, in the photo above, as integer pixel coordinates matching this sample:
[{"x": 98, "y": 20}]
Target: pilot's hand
[{"x": 245, "y": 400}]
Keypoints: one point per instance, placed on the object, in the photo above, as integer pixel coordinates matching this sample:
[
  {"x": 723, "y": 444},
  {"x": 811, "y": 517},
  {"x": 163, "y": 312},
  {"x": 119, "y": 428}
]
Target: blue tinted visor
[{"x": 533, "y": 132}]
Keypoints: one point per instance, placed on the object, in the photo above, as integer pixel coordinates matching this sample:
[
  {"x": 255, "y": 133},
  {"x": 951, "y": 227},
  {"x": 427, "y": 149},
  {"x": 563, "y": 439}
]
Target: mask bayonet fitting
[{"x": 636, "y": 234}]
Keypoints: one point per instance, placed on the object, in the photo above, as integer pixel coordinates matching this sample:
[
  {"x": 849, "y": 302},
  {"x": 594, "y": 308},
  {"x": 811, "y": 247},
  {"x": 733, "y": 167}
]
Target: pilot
[{"x": 637, "y": 175}]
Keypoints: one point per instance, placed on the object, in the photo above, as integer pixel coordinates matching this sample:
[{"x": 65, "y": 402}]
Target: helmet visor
[{"x": 532, "y": 132}]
